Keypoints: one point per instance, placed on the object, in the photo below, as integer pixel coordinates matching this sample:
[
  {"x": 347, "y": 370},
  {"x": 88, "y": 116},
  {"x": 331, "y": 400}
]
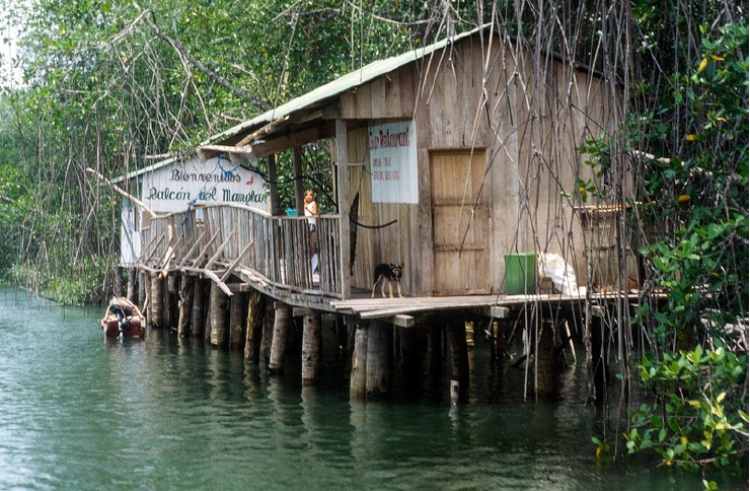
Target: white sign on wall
[
  {"x": 393, "y": 163},
  {"x": 130, "y": 238},
  {"x": 217, "y": 180}
]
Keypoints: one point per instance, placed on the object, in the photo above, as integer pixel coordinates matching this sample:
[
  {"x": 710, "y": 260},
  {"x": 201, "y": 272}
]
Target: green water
[{"x": 78, "y": 412}]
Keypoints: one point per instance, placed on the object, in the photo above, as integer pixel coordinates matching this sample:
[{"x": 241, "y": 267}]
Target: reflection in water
[{"x": 78, "y": 412}]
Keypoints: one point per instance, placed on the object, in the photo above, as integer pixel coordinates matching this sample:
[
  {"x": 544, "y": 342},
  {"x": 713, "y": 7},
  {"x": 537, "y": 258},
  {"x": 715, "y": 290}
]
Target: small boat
[{"x": 123, "y": 319}]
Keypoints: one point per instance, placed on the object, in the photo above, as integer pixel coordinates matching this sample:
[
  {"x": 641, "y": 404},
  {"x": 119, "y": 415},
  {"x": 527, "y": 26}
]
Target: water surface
[{"x": 78, "y": 412}]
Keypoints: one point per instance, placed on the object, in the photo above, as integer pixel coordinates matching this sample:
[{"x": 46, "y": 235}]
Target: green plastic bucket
[{"x": 520, "y": 273}]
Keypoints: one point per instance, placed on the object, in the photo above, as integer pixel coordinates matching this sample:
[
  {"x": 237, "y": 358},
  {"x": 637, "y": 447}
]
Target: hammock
[{"x": 353, "y": 216}]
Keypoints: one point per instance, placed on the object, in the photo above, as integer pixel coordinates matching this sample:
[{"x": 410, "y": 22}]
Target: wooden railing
[{"x": 274, "y": 250}]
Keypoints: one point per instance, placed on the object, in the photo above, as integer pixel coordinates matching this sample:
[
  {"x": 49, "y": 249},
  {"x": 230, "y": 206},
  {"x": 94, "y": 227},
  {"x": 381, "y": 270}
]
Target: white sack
[{"x": 561, "y": 273}]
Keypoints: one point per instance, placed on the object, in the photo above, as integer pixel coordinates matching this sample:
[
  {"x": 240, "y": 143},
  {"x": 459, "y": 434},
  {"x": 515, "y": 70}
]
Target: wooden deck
[
  {"x": 243, "y": 249},
  {"x": 489, "y": 305}
]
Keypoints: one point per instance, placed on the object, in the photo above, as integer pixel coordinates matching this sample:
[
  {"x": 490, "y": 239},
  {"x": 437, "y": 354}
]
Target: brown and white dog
[{"x": 388, "y": 273}]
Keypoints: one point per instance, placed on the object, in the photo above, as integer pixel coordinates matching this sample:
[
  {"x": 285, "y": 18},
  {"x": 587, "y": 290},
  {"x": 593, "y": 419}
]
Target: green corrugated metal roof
[{"x": 339, "y": 86}]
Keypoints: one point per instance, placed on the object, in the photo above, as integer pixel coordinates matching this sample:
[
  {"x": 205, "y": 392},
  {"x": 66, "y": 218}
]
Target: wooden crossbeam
[
  {"x": 153, "y": 251},
  {"x": 213, "y": 277},
  {"x": 220, "y": 249},
  {"x": 237, "y": 261},
  {"x": 192, "y": 248},
  {"x": 402, "y": 320},
  {"x": 203, "y": 252},
  {"x": 497, "y": 312}
]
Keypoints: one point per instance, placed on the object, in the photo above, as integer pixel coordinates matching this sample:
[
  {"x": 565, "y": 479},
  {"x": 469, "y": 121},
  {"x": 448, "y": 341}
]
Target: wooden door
[{"x": 456, "y": 176}]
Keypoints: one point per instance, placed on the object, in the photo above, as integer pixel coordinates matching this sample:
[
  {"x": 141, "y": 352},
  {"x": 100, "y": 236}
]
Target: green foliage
[
  {"x": 698, "y": 198},
  {"x": 699, "y": 415},
  {"x": 84, "y": 284}
]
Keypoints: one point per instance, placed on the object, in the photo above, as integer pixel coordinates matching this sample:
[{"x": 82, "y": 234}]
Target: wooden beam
[
  {"x": 227, "y": 149},
  {"x": 342, "y": 196},
  {"x": 297, "y": 139},
  {"x": 273, "y": 185},
  {"x": 402, "y": 320},
  {"x": 153, "y": 251},
  {"x": 235, "y": 287},
  {"x": 266, "y": 130},
  {"x": 299, "y": 185},
  {"x": 214, "y": 277},
  {"x": 237, "y": 260},
  {"x": 497, "y": 312},
  {"x": 192, "y": 249},
  {"x": 203, "y": 252},
  {"x": 220, "y": 249},
  {"x": 301, "y": 311}
]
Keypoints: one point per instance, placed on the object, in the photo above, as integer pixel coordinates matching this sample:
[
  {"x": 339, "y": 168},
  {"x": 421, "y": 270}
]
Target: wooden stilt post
[
  {"x": 469, "y": 326},
  {"x": 598, "y": 371},
  {"x": 358, "y": 377},
  {"x": 545, "y": 359},
  {"x": 157, "y": 301},
  {"x": 268, "y": 323},
  {"x": 342, "y": 332},
  {"x": 142, "y": 290},
  {"x": 218, "y": 316},
  {"x": 207, "y": 321},
  {"x": 170, "y": 301},
  {"x": 131, "y": 285},
  {"x": 434, "y": 354},
  {"x": 254, "y": 329},
  {"x": 311, "y": 347},
  {"x": 237, "y": 321},
  {"x": 379, "y": 357},
  {"x": 459, "y": 359},
  {"x": 198, "y": 320},
  {"x": 278, "y": 343},
  {"x": 411, "y": 358},
  {"x": 187, "y": 292}
]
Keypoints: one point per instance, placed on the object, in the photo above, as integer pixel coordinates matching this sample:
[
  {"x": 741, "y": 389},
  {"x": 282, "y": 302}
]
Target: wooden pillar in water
[
  {"x": 171, "y": 301},
  {"x": 157, "y": 301},
  {"x": 545, "y": 359},
  {"x": 131, "y": 285},
  {"x": 237, "y": 321},
  {"x": 358, "y": 376},
  {"x": 187, "y": 293},
  {"x": 596, "y": 362},
  {"x": 218, "y": 316},
  {"x": 142, "y": 291},
  {"x": 278, "y": 343},
  {"x": 254, "y": 329},
  {"x": 379, "y": 357},
  {"x": 459, "y": 361},
  {"x": 207, "y": 321},
  {"x": 268, "y": 322},
  {"x": 197, "y": 314},
  {"x": 311, "y": 346}
]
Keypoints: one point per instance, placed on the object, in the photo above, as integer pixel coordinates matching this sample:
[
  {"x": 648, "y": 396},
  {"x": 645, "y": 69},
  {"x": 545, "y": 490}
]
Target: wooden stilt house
[{"x": 457, "y": 154}]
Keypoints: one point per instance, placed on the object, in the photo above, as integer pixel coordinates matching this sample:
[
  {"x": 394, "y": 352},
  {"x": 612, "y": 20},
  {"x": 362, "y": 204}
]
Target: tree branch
[{"x": 238, "y": 91}]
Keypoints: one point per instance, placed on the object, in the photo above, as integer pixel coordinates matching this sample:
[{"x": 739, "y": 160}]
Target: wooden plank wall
[
  {"x": 391, "y": 244},
  {"x": 536, "y": 117}
]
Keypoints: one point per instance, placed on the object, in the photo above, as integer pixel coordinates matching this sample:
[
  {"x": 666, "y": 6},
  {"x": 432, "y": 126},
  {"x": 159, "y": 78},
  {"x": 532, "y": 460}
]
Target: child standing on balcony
[{"x": 311, "y": 212}]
